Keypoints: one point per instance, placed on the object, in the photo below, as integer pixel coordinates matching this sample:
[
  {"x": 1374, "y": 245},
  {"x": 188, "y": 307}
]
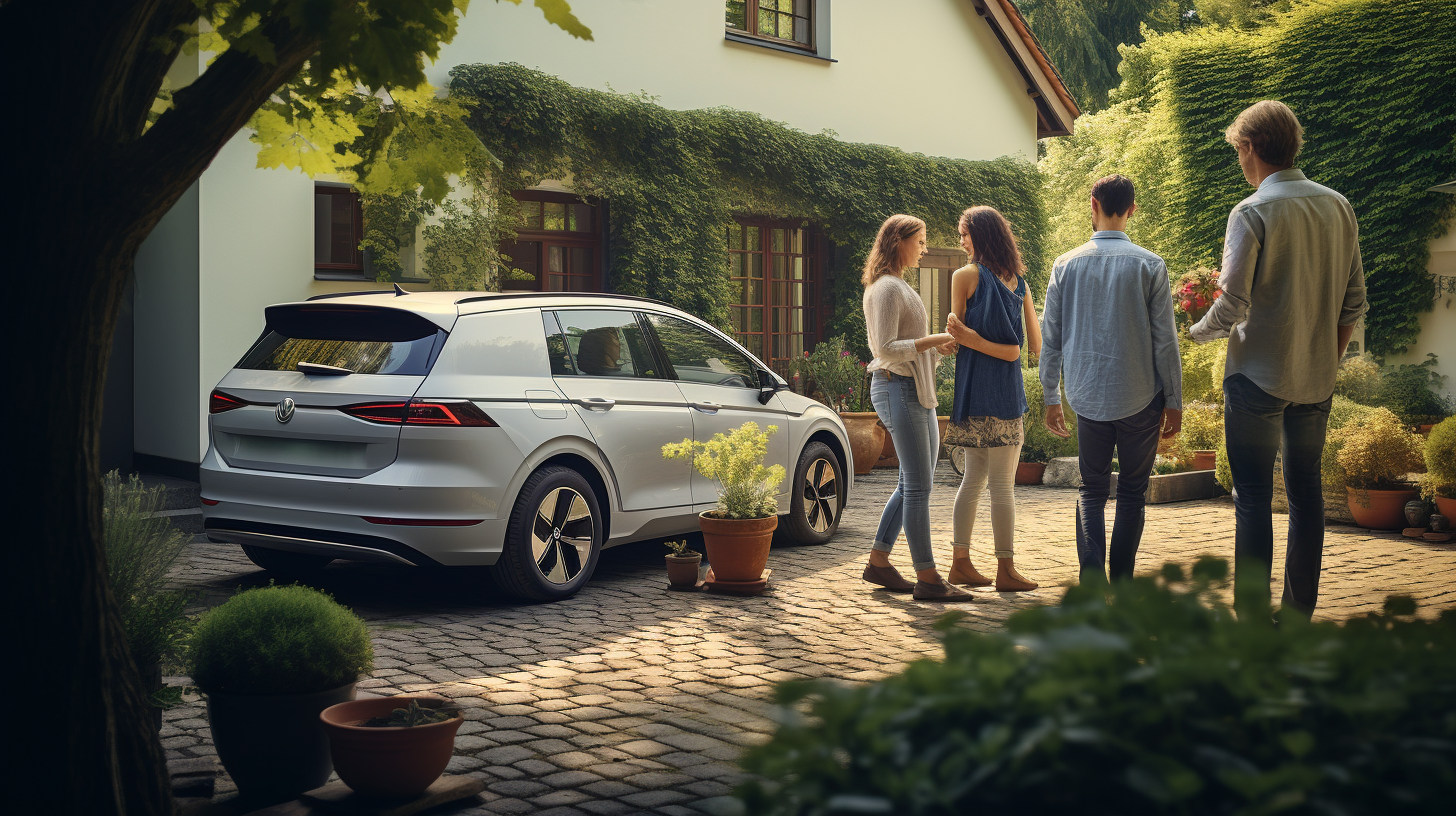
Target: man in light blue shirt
[
  {"x": 1293, "y": 290},
  {"x": 1108, "y": 334}
]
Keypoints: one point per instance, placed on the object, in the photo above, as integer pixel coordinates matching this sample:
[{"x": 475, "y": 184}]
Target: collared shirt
[
  {"x": 1291, "y": 276},
  {"x": 1107, "y": 330}
]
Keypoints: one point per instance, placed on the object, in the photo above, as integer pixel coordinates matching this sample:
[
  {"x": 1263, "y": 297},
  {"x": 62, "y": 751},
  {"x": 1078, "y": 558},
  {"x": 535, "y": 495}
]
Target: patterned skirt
[{"x": 983, "y": 432}]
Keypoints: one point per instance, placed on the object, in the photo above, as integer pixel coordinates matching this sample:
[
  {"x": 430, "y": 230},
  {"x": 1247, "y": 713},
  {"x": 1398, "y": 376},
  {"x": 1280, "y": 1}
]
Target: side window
[
  {"x": 700, "y": 356},
  {"x": 561, "y": 364},
  {"x": 605, "y": 344}
]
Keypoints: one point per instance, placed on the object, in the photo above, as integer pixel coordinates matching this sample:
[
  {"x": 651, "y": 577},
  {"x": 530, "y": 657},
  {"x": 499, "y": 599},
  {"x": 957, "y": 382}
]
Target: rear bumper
[{"x": 325, "y": 515}]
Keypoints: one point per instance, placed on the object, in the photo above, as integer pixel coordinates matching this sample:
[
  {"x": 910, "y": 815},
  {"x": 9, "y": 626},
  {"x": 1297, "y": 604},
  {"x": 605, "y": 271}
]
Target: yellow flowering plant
[{"x": 746, "y": 489}]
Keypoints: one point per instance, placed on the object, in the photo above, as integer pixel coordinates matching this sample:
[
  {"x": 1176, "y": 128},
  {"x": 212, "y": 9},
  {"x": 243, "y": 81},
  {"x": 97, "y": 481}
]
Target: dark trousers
[
  {"x": 1135, "y": 439},
  {"x": 1255, "y": 424}
]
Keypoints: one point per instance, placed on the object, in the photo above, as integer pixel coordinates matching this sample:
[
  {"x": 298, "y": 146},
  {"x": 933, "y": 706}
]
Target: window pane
[
  {"x": 322, "y": 231},
  {"x": 768, "y": 22},
  {"x": 754, "y": 238},
  {"x": 736, "y": 265},
  {"x": 755, "y": 265},
  {"x": 555, "y": 260},
  {"x": 556, "y": 346},
  {"x": 342, "y": 242},
  {"x": 700, "y": 356},
  {"x": 751, "y": 292},
  {"x": 801, "y": 30},
  {"x": 801, "y": 8},
  {"x": 799, "y": 268},
  {"x": 606, "y": 343},
  {"x": 780, "y": 267},
  {"x": 523, "y": 269},
  {"x": 531, "y": 210},
  {"x": 736, "y": 14},
  {"x": 554, "y": 217},
  {"x": 796, "y": 241},
  {"x": 778, "y": 240}
]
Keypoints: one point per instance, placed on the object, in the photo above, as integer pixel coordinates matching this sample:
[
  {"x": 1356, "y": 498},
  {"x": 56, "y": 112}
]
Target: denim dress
[{"x": 990, "y": 397}]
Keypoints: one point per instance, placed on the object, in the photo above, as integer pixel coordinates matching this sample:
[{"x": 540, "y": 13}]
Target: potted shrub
[
  {"x": 393, "y": 747},
  {"x": 736, "y": 533},
  {"x": 1371, "y": 459},
  {"x": 1039, "y": 445},
  {"x": 141, "y": 547},
  {"x": 682, "y": 565},
  {"x": 270, "y": 660},
  {"x": 1440, "y": 479},
  {"x": 1202, "y": 434},
  {"x": 835, "y": 377}
]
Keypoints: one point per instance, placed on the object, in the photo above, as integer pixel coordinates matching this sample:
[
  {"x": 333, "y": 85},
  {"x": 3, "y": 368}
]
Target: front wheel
[
  {"x": 554, "y": 537},
  {"x": 958, "y": 459},
  {"x": 817, "y": 500}
]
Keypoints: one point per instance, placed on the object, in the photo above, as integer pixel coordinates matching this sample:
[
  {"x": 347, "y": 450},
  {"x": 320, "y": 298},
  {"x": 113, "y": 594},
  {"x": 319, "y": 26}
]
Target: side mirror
[{"x": 767, "y": 386}]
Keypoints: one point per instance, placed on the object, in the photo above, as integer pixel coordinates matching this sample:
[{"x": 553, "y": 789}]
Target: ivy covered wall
[{"x": 674, "y": 180}]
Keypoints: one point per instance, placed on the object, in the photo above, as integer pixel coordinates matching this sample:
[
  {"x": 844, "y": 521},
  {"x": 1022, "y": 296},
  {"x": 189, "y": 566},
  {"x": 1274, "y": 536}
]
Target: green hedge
[
  {"x": 1147, "y": 699},
  {"x": 673, "y": 180},
  {"x": 1374, "y": 84}
]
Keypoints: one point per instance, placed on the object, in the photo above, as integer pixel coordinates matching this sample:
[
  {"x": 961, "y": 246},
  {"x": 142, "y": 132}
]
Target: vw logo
[{"x": 284, "y": 411}]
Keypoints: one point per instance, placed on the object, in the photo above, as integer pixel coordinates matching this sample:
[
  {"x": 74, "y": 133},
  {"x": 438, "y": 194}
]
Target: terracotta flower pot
[
  {"x": 682, "y": 570},
  {"x": 1379, "y": 509},
  {"x": 1205, "y": 459},
  {"x": 1030, "y": 473},
  {"x": 394, "y": 762},
  {"x": 866, "y": 440},
  {"x": 273, "y": 745},
  {"x": 737, "y": 548},
  {"x": 1446, "y": 507},
  {"x": 888, "y": 457}
]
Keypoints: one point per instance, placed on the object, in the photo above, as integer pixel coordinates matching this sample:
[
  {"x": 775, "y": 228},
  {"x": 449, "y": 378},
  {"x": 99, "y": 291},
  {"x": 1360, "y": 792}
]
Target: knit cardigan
[{"x": 894, "y": 319}]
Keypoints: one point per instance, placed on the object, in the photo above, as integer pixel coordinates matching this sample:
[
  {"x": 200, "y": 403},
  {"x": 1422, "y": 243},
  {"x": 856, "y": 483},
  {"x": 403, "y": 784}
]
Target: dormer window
[{"x": 789, "y": 22}]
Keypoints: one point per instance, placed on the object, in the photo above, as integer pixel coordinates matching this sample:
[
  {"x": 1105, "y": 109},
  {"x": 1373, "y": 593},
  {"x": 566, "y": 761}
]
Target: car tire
[
  {"x": 286, "y": 564},
  {"x": 554, "y": 537},
  {"x": 816, "y": 498}
]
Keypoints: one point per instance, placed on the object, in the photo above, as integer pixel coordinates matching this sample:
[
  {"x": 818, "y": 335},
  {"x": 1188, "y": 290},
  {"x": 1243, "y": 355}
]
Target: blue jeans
[
  {"x": 1256, "y": 424},
  {"x": 917, "y": 444}
]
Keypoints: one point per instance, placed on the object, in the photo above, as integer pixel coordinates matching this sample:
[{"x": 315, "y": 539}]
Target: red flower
[
  {"x": 1200, "y": 302},
  {"x": 1187, "y": 305}
]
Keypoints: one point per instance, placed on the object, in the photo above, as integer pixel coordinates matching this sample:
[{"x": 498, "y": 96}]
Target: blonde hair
[
  {"x": 1271, "y": 129},
  {"x": 884, "y": 256}
]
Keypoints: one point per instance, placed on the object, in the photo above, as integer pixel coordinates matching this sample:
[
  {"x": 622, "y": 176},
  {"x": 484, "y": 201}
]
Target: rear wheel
[
  {"x": 554, "y": 537},
  {"x": 285, "y": 564},
  {"x": 818, "y": 495},
  {"x": 958, "y": 460}
]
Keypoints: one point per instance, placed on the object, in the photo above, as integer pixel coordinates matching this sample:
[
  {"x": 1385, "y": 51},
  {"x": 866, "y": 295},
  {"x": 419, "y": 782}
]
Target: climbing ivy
[
  {"x": 1373, "y": 83},
  {"x": 673, "y": 180}
]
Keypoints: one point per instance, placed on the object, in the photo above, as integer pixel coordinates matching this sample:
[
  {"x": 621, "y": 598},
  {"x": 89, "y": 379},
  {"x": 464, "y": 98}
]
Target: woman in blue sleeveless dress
[{"x": 993, "y": 315}]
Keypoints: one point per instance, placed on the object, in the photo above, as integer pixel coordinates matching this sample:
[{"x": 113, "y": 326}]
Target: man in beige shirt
[{"x": 1293, "y": 289}]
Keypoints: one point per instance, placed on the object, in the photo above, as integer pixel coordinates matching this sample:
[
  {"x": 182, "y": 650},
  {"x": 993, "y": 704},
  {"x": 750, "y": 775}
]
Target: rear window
[{"x": 363, "y": 340}]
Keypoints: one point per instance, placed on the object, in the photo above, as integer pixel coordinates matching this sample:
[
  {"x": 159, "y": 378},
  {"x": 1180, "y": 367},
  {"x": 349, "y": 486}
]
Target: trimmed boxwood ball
[
  {"x": 279, "y": 640},
  {"x": 1144, "y": 698}
]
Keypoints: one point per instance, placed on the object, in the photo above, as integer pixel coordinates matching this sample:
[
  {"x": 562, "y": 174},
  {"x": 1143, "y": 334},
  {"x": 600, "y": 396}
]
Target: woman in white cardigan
[{"x": 902, "y": 389}]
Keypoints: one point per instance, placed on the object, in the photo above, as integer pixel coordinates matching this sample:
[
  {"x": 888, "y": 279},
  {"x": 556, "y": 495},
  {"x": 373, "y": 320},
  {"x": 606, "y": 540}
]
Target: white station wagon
[{"x": 523, "y": 431}]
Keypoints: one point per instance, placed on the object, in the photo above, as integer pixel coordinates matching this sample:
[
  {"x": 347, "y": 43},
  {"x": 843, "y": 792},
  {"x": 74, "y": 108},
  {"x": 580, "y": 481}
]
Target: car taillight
[
  {"x": 219, "y": 402},
  {"x": 454, "y": 413}
]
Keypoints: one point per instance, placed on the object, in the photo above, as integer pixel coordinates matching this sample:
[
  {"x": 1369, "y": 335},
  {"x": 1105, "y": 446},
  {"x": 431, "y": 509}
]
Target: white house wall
[
  {"x": 1438, "y": 326},
  {"x": 928, "y": 76},
  {"x": 165, "y": 408}
]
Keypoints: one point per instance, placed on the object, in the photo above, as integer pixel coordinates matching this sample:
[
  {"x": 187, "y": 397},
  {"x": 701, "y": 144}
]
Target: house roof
[
  {"x": 1056, "y": 110},
  {"x": 1445, "y": 187}
]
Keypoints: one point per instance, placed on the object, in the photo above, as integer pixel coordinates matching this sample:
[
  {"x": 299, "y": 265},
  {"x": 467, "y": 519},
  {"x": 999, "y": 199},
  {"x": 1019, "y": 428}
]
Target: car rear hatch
[{"x": 326, "y": 389}]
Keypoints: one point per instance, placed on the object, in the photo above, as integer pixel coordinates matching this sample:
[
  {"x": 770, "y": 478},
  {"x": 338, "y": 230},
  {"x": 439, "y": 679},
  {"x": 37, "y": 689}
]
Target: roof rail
[{"x": 513, "y": 295}]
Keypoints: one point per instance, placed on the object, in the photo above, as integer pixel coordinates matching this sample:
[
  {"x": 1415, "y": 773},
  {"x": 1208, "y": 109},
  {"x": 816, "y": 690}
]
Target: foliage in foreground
[
  {"x": 1146, "y": 698},
  {"x": 140, "y": 550},
  {"x": 279, "y": 640}
]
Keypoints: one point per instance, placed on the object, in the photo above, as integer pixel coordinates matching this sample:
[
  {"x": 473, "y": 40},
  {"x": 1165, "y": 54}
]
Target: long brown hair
[
  {"x": 994, "y": 244},
  {"x": 884, "y": 256}
]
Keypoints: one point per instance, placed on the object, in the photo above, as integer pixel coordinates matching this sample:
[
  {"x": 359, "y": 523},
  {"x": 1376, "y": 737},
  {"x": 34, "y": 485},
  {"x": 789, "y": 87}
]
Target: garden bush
[
  {"x": 1413, "y": 392},
  {"x": 279, "y": 640},
  {"x": 1202, "y": 430},
  {"x": 1441, "y": 459},
  {"x": 1203, "y": 365},
  {"x": 1358, "y": 379},
  {"x": 141, "y": 548},
  {"x": 1373, "y": 453},
  {"x": 1041, "y": 445},
  {"x": 1147, "y": 698}
]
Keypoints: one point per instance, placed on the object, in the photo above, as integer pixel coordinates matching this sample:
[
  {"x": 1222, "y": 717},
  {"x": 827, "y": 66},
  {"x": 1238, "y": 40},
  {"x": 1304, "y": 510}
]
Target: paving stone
[
  {"x": 644, "y": 748},
  {"x": 519, "y": 787},
  {"x": 505, "y": 754},
  {"x": 570, "y": 779},
  {"x": 654, "y": 798}
]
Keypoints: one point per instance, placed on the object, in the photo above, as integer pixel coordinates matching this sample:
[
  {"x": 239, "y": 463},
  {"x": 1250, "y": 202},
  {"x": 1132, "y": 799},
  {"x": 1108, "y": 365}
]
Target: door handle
[
  {"x": 597, "y": 403},
  {"x": 707, "y": 407}
]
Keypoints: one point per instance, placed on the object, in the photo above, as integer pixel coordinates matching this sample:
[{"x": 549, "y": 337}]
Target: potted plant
[
  {"x": 736, "y": 533},
  {"x": 141, "y": 547},
  {"x": 1193, "y": 293},
  {"x": 1039, "y": 446},
  {"x": 1440, "y": 479},
  {"x": 270, "y": 660},
  {"x": 1371, "y": 459},
  {"x": 1197, "y": 443},
  {"x": 393, "y": 747},
  {"x": 833, "y": 376},
  {"x": 682, "y": 565}
]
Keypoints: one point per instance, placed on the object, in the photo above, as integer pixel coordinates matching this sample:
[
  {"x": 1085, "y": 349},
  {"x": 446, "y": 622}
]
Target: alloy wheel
[
  {"x": 561, "y": 537},
  {"x": 821, "y": 495}
]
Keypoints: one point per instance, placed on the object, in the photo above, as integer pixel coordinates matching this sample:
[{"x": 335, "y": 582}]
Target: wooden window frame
[
  {"x": 751, "y": 31},
  {"x": 357, "y": 211},
  {"x": 593, "y": 239},
  {"x": 815, "y": 254}
]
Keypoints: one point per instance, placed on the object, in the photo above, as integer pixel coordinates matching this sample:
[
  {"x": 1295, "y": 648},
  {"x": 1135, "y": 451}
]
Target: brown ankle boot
[
  {"x": 961, "y": 572},
  {"x": 887, "y": 577}
]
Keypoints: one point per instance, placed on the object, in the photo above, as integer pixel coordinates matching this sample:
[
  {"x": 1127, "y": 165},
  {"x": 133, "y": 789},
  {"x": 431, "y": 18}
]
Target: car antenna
[{"x": 399, "y": 290}]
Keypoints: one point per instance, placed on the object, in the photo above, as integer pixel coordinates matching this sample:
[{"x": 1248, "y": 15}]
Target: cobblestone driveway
[{"x": 630, "y": 698}]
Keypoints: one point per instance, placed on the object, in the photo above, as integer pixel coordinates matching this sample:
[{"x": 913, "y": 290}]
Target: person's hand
[
  {"x": 963, "y": 334},
  {"x": 949, "y": 349},
  {"x": 1172, "y": 422},
  {"x": 1055, "y": 422}
]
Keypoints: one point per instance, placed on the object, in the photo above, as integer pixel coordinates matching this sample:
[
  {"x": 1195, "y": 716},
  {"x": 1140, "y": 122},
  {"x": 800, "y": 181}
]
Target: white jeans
[{"x": 995, "y": 467}]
